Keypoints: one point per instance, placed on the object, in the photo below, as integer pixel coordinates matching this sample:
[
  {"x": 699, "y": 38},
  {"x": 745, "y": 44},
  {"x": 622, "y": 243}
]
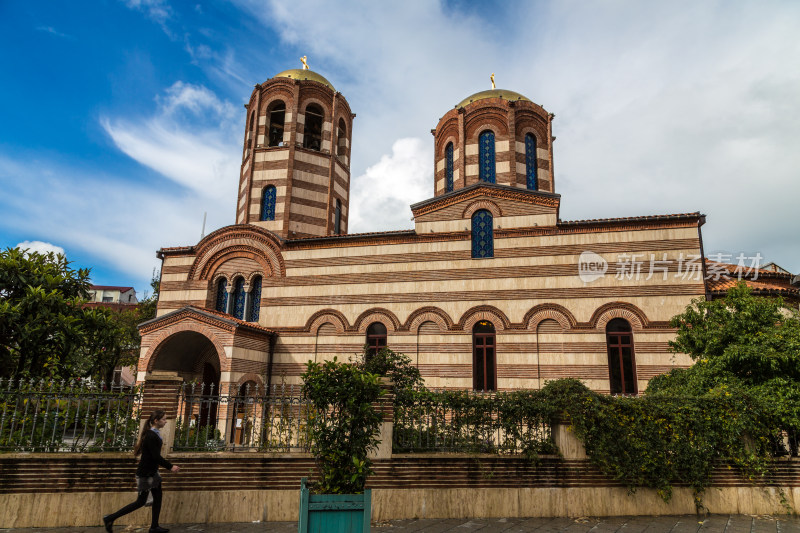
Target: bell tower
[{"x": 295, "y": 174}]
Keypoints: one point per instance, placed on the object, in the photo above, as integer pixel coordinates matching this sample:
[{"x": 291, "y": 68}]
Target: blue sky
[{"x": 121, "y": 122}]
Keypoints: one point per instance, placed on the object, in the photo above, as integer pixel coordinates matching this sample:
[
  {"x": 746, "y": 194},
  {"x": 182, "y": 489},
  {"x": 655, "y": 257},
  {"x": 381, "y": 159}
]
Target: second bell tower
[{"x": 295, "y": 175}]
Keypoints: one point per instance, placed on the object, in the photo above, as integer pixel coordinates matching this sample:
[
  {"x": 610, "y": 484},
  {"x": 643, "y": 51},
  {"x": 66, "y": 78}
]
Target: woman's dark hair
[{"x": 158, "y": 414}]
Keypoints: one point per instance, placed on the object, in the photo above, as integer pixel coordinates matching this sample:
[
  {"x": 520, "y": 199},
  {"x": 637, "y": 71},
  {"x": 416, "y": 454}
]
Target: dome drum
[{"x": 495, "y": 136}]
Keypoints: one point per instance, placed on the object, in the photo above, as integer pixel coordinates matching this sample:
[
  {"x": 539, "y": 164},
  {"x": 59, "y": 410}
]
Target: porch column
[
  {"x": 385, "y": 406},
  {"x": 162, "y": 391}
]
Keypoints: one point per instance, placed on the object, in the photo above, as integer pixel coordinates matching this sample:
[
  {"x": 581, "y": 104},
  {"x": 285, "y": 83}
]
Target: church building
[{"x": 491, "y": 290}]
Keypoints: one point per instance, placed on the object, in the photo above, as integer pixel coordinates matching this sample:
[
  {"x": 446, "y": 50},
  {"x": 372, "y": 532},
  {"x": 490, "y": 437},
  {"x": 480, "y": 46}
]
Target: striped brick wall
[{"x": 106, "y": 472}]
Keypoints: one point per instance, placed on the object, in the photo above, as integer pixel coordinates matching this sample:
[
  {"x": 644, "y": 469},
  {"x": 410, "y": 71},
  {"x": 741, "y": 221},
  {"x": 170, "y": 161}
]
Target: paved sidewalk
[{"x": 631, "y": 524}]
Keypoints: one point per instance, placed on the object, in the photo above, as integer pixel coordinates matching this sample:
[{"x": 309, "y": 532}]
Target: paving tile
[{"x": 631, "y": 524}]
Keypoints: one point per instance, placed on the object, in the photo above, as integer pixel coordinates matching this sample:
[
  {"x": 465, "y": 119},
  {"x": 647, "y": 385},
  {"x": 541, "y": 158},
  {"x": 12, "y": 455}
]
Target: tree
[
  {"x": 40, "y": 312},
  {"x": 742, "y": 345},
  {"x": 45, "y": 330},
  {"x": 345, "y": 424},
  {"x": 741, "y": 339}
]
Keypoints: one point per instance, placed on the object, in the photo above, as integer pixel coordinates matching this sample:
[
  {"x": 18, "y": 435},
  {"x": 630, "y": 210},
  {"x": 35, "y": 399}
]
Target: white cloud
[
  {"x": 661, "y": 108},
  {"x": 381, "y": 196},
  {"x": 191, "y": 140},
  {"x": 40, "y": 247}
]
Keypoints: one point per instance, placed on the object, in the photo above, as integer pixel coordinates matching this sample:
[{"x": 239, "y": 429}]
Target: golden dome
[
  {"x": 511, "y": 96},
  {"x": 301, "y": 74}
]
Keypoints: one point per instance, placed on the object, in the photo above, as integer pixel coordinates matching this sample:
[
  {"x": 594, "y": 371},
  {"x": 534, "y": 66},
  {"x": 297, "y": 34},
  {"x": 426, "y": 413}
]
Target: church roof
[
  {"x": 511, "y": 96},
  {"x": 221, "y": 319},
  {"x": 301, "y": 74}
]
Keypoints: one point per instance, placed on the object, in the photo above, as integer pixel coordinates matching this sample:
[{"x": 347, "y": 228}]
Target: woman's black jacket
[{"x": 151, "y": 455}]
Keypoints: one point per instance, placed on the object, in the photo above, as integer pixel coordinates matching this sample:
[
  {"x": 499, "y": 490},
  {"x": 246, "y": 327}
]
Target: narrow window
[
  {"x": 341, "y": 136},
  {"x": 222, "y": 295},
  {"x": 337, "y": 219},
  {"x": 277, "y": 115},
  {"x": 376, "y": 338},
  {"x": 448, "y": 168},
  {"x": 530, "y": 162},
  {"x": 255, "y": 299},
  {"x": 482, "y": 235},
  {"x": 621, "y": 359},
  {"x": 268, "y": 203},
  {"x": 486, "y": 159},
  {"x": 483, "y": 357},
  {"x": 238, "y": 299},
  {"x": 312, "y": 131}
]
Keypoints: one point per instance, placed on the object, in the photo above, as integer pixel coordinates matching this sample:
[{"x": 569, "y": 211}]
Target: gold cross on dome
[
  {"x": 492, "y": 78},
  {"x": 303, "y": 60}
]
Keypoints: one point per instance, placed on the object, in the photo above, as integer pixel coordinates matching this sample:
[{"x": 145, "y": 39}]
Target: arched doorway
[{"x": 195, "y": 359}]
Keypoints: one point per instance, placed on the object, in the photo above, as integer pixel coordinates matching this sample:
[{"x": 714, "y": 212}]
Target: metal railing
[
  {"x": 255, "y": 418},
  {"x": 67, "y": 416},
  {"x": 466, "y": 421}
]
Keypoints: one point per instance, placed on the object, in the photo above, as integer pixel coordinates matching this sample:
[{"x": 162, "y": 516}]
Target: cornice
[{"x": 486, "y": 189}]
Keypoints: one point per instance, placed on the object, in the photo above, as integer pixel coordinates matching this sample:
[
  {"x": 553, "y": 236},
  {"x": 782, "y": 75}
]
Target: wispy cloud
[
  {"x": 51, "y": 30},
  {"x": 158, "y": 11},
  {"x": 116, "y": 223},
  {"x": 190, "y": 140}
]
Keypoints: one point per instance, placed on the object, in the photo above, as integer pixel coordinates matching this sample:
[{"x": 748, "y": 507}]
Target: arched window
[
  {"x": 268, "y": 203},
  {"x": 484, "y": 376},
  {"x": 312, "y": 131},
  {"x": 530, "y": 162},
  {"x": 341, "y": 136},
  {"x": 222, "y": 296},
  {"x": 255, "y": 299},
  {"x": 486, "y": 156},
  {"x": 238, "y": 299},
  {"x": 337, "y": 218},
  {"x": 482, "y": 235},
  {"x": 376, "y": 338},
  {"x": 621, "y": 359},
  {"x": 276, "y": 116},
  {"x": 448, "y": 168},
  {"x": 252, "y": 124}
]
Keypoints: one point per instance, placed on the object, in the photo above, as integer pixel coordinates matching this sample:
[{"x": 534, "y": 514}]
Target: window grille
[{"x": 482, "y": 235}]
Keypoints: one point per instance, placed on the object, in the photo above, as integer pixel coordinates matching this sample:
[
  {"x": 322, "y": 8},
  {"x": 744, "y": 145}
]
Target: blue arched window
[
  {"x": 337, "y": 219},
  {"x": 530, "y": 162},
  {"x": 238, "y": 299},
  {"x": 448, "y": 168},
  {"x": 268, "y": 203},
  {"x": 255, "y": 298},
  {"x": 486, "y": 156},
  {"x": 222, "y": 295},
  {"x": 482, "y": 235}
]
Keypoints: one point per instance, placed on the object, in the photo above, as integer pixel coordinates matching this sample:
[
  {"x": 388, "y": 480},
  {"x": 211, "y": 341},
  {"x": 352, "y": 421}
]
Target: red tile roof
[{"x": 766, "y": 282}]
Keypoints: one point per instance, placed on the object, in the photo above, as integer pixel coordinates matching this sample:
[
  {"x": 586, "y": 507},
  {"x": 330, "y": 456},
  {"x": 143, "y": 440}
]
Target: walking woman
[{"x": 148, "y": 481}]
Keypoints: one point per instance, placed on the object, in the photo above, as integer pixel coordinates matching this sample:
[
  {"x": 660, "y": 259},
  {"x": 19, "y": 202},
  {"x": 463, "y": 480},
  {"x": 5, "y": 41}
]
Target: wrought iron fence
[
  {"x": 468, "y": 421},
  {"x": 67, "y": 416},
  {"x": 255, "y": 418}
]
